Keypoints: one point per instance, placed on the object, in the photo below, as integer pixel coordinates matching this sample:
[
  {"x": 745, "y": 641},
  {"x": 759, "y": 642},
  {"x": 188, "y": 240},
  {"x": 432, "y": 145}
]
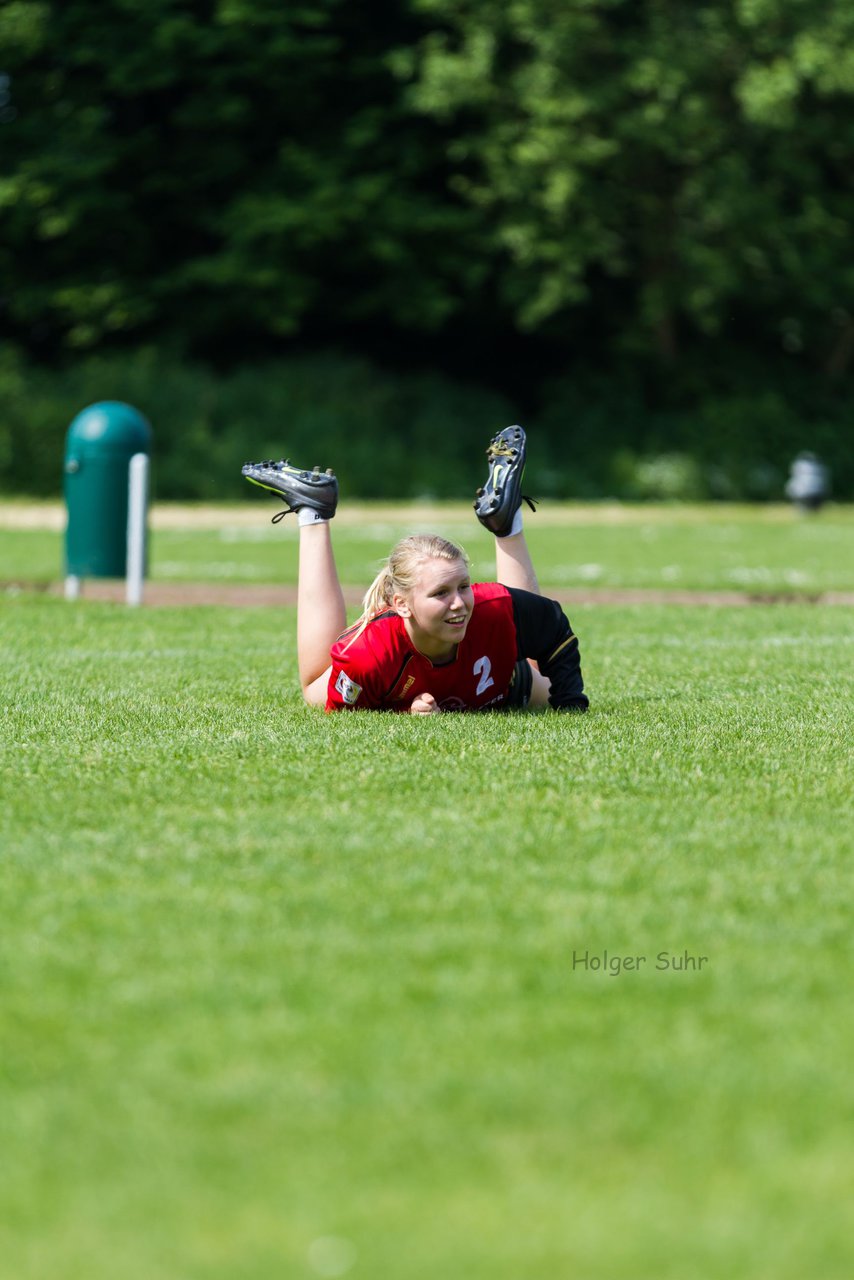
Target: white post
[
  {"x": 72, "y": 587},
  {"x": 137, "y": 503}
]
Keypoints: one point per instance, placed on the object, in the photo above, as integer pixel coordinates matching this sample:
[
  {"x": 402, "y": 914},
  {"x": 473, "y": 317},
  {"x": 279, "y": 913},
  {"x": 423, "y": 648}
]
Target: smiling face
[{"x": 437, "y": 610}]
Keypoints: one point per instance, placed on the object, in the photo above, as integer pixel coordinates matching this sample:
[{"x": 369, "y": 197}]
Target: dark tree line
[{"x": 624, "y": 194}]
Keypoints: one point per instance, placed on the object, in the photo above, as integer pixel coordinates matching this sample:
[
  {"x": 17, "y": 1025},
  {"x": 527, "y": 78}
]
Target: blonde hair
[{"x": 399, "y": 573}]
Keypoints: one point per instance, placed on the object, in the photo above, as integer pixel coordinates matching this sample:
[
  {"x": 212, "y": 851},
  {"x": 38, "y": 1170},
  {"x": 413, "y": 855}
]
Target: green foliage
[
  {"x": 242, "y": 172},
  {"x": 387, "y": 435},
  {"x": 396, "y": 435},
  {"x": 219, "y": 173},
  {"x": 657, "y": 166},
  {"x": 643, "y": 205},
  {"x": 736, "y": 442}
]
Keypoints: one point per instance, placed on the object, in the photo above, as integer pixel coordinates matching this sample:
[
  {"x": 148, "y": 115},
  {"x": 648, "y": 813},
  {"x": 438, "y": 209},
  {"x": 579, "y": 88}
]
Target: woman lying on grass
[{"x": 428, "y": 640}]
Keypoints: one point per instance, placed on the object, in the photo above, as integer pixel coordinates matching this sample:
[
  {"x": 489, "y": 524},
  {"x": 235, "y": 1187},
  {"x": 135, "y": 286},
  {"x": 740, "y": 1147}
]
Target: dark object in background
[
  {"x": 808, "y": 485},
  {"x": 99, "y": 447}
]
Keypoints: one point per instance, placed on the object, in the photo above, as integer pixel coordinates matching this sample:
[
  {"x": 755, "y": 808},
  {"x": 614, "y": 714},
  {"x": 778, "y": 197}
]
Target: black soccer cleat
[
  {"x": 315, "y": 489},
  {"x": 501, "y": 497}
]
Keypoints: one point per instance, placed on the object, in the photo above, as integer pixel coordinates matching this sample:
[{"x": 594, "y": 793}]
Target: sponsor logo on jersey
[
  {"x": 410, "y": 681},
  {"x": 348, "y": 688}
]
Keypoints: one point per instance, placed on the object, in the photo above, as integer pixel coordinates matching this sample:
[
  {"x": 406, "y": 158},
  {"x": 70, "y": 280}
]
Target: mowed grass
[
  {"x": 288, "y": 995},
  {"x": 758, "y": 549}
]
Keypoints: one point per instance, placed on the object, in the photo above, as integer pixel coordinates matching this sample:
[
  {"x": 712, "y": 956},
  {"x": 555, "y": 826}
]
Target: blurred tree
[
  {"x": 675, "y": 170},
  {"x": 629, "y": 178},
  {"x": 218, "y": 171}
]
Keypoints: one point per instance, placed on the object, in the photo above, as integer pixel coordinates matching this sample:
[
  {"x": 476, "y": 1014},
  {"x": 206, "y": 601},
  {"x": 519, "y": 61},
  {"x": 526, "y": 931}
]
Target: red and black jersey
[{"x": 380, "y": 669}]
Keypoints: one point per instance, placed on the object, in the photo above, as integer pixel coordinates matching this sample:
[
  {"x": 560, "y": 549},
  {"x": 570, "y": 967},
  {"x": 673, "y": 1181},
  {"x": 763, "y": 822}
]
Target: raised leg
[
  {"x": 513, "y": 564},
  {"x": 321, "y": 613},
  {"x": 514, "y": 568}
]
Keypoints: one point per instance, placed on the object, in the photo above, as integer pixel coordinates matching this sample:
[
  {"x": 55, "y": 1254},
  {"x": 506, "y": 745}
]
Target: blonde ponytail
[
  {"x": 379, "y": 594},
  {"x": 399, "y": 573}
]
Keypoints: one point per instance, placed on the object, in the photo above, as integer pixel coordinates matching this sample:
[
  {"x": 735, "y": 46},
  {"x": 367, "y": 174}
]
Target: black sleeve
[{"x": 544, "y": 634}]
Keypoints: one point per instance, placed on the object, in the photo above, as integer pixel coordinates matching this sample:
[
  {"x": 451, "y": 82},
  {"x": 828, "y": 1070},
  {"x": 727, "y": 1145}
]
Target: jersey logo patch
[
  {"x": 410, "y": 681},
  {"x": 453, "y": 704},
  {"x": 348, "y": 688}
]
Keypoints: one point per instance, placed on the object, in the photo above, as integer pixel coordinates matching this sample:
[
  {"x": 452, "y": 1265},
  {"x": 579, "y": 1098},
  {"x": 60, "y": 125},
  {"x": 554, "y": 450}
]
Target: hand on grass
[{"x": 425, "y": 705}]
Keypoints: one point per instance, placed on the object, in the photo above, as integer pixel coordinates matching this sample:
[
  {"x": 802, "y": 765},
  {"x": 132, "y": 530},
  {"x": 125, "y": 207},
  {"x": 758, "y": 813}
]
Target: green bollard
[{"x": 98, "y": 448}]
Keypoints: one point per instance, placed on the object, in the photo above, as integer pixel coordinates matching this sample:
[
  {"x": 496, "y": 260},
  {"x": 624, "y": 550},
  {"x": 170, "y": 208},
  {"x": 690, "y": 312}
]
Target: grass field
[
  {"x": 287, "y": 995},
  {"x": 594, "y": 545}
]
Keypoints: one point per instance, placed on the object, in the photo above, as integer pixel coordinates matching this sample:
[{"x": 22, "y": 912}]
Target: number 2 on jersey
[{"x": 482, "y": 668}]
